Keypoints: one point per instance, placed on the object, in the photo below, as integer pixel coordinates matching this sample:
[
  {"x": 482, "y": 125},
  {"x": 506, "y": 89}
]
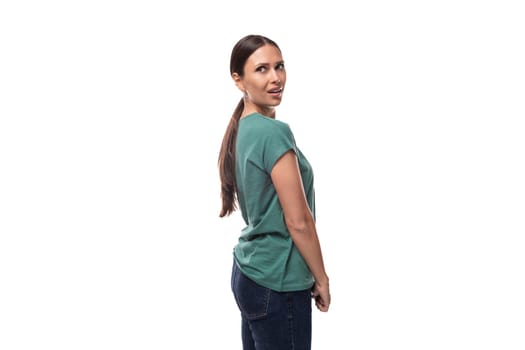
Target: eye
[
  {"x": 280, "y": 66},
  {"x": 260, "y": 69}
]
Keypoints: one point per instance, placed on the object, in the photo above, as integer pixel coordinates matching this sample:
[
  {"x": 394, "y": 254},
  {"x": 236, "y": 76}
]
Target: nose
[{"x": 276, "y": 77}]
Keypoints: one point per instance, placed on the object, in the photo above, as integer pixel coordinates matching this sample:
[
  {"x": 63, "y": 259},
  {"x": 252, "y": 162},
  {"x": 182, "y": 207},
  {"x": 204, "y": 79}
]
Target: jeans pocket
[{"x": 251, "y": 298}]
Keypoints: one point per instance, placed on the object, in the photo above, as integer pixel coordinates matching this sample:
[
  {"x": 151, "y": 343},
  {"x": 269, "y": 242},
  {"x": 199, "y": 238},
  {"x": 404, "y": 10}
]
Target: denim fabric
[{"x": 272, "y": 320}]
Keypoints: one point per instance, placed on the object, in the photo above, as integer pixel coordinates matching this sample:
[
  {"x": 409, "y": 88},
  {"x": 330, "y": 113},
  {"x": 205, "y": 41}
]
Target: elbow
[{"x": 299, "y": 225}]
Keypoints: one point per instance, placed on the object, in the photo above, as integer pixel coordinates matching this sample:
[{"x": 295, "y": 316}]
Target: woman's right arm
[{"x": 287, "y": 181}]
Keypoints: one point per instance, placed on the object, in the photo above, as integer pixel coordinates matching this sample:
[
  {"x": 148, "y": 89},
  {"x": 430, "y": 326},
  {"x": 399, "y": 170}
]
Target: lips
[{"x": 276, "y": 90}]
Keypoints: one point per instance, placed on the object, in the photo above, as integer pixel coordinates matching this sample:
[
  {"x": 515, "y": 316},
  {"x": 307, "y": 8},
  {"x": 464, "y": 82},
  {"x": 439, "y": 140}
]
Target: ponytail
[
  {"x": 227, "y": 163},
  {"x": 242, "y": 50}
]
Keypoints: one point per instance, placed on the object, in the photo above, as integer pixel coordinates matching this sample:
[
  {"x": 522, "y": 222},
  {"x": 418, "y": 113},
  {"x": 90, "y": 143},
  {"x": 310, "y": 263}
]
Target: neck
[{"x": 266, "y": 111}]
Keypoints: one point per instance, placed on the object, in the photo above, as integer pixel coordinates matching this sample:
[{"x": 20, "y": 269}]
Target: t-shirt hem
[{"x": 287, "y": 288}]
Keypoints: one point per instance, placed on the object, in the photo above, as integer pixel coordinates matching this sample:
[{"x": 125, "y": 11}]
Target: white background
[{"x": 111, "y": 117}]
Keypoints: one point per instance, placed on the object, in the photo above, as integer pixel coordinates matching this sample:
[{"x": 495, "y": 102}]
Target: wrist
[{"x": 322, "y": 280}]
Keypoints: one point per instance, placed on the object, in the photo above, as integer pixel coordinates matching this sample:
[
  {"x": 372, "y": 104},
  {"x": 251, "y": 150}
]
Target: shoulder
[{"x": 261, "y": 124}]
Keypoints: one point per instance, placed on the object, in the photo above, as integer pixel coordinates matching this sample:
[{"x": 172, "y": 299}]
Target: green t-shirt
[{"x": 265, "y": 251}]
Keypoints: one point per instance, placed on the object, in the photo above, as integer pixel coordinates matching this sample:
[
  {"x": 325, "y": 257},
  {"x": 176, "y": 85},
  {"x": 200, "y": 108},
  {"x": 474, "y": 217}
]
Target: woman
[{"x": 278, "y": 264}]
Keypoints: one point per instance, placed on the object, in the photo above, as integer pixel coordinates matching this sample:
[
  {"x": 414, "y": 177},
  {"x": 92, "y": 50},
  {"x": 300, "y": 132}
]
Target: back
[{"x": 265, "y": 251}]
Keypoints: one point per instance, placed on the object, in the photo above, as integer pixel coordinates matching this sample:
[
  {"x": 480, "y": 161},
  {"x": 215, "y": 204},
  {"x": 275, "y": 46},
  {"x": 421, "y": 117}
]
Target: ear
[{"x": 238, "y": 81}]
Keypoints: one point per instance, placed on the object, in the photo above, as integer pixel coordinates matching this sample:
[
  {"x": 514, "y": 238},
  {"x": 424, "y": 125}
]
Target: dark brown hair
[{"x": 242, "y": 50}]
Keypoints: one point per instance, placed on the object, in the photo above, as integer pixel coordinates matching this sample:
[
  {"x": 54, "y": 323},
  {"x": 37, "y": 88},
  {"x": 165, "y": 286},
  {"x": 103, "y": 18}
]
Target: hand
[{"x": 321, "y": 295}]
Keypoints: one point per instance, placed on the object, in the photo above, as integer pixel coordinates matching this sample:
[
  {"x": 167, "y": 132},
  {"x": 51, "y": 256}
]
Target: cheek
[{"x": 252, "y": 86}]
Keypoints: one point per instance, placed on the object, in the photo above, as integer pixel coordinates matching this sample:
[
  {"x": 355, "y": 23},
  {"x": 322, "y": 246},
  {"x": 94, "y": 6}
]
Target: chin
[{"x": 274, "y": 103}]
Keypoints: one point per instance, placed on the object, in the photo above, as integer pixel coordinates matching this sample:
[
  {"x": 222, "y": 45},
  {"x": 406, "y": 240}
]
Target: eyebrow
[{"x": 267, "y": 64}]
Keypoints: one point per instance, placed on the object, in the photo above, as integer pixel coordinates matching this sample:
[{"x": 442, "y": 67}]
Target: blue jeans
[{"x": 272, "y": 320}]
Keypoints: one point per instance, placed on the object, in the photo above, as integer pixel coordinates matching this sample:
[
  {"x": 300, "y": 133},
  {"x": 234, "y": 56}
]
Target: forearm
[{"x": 307, "y": 242}]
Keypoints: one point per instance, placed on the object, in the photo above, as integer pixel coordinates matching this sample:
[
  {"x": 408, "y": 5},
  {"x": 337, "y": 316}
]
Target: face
[{"x": 263, "y": 81}]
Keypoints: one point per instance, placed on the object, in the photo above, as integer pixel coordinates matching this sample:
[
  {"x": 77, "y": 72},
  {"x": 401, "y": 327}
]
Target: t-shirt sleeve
[{"x": 279, "y": 141}]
